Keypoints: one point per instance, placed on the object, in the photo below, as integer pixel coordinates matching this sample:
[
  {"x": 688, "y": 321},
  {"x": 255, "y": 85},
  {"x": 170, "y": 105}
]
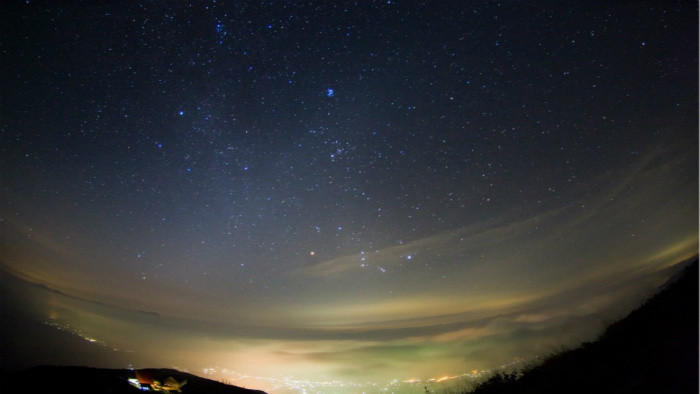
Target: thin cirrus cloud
[{"x": 525, "y": 285}]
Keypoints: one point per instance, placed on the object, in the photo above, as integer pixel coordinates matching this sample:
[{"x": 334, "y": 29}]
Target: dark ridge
[
  {"x": 85, "y": 380},
  {"x": 652, "y": 350}
]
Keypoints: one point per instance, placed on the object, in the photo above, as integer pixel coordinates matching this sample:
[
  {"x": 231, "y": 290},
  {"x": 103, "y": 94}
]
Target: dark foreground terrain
[
  {"x": 84, "y": 380},
  {"x": 653, "y": 350}
]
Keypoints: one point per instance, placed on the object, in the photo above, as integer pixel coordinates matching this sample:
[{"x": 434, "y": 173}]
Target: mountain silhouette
[
  {"x": 85, "y": 380},
  {"x": 652, "y": 350}
]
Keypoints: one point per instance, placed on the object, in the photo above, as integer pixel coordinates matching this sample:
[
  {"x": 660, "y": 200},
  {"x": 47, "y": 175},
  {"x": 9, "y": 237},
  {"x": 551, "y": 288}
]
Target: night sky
[{"x": 353, "y": 191}]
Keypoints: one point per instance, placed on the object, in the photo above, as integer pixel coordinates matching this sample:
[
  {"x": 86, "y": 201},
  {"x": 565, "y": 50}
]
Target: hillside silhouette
[
  {"x": 652, "y": 350},
  {"x": 85, "y": 380}
]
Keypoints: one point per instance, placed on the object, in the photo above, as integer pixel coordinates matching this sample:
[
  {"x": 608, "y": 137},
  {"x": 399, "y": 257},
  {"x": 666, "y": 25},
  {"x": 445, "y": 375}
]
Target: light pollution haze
[{"x": 529, "y": 285}]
